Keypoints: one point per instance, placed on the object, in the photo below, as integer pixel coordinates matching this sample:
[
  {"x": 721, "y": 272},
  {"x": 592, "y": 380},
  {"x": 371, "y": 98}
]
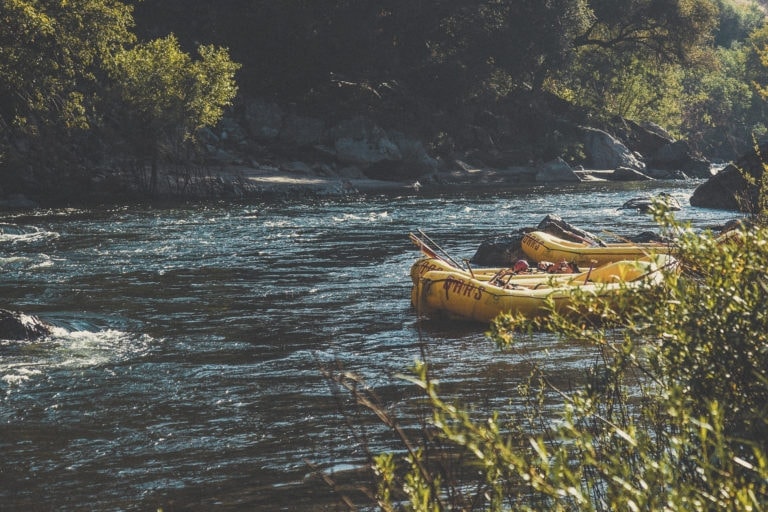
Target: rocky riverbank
[
  {"x": 263, "y": 151},
  {"x": 266, "y": 149}
]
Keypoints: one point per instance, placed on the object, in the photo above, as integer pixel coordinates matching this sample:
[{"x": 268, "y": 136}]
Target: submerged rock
[
  {"x": 555, "y": 225},
  {"x": 644, "y": 204}
]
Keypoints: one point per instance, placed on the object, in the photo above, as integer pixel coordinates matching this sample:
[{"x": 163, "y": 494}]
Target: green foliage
[
  {"x": 72, "y": 67},
  {"x": 672, "y": 418},
  {"x": 667, "y": 29},
  {"x": 760, "y": 48},
  {"x": 214, "y": 85},
  {"x": 633, "y": 88},
  {"x": 754, "y": 199},
  {"x": 718, "y": 97},
  {"x": 713, "y": 329},
  {"x": 700, "y": 91},
  {"x": 736, "y": 21},
  {"x": 167, "y": 91},
  {"x": 722, "y": 91},
  {"x": 50, "y": 54},
  {"x": 165, "y": 96},
  {"x": 66, "y": 66}
]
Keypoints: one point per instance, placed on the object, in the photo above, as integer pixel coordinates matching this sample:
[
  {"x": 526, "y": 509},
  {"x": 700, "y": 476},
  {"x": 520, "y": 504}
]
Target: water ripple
[{"x": 188, "y": 365}]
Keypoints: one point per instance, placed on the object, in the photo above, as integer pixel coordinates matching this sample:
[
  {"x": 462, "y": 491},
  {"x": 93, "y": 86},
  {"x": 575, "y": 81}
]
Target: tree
[
  {"x": 631, "y": 58},
  {"x": 718, "y": 113},
  {"x": 50, "y": 59},
  {"x": 666, "y": 29},
  {"x": 531, "y": 40},
  {"x": 166, "y": 96},
  {"x": 50, "y": 52},
  {"x": 736, "y": 21},
  {"x": 609, "y": 84},
  {"x": 757, "y": 60}
]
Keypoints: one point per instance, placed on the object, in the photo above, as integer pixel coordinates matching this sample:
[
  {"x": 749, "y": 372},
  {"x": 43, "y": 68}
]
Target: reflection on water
[{"x": 185, "y": 370}]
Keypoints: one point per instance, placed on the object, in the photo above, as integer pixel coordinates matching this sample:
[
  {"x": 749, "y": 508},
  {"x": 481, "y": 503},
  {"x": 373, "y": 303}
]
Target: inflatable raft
[
  {"x": 458, "y": 294},
  {"x": 541, "y": 246}
]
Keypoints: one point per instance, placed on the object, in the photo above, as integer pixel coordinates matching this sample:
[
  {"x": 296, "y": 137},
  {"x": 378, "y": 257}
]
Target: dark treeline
[
  {"x": 89, "y": 83},
  {"x": 446, "y": 51},
  {"x": 687, "y": 65}
]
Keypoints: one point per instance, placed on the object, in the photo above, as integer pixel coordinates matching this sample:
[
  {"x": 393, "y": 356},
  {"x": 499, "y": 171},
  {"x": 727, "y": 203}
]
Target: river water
[{"x": 185, "y": 372}]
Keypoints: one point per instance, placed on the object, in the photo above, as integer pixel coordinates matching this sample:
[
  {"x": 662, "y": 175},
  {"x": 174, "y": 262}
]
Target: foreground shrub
[{"x": 671, "y": 419}]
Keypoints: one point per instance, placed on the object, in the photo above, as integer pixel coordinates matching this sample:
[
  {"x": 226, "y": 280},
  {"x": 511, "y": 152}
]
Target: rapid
[{"x": 186, "y": 368}]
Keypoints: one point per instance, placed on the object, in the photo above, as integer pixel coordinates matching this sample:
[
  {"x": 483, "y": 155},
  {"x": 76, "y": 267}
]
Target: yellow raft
[
  {"x": 500, "y": 275},
  {"x": 541, "y": 246},
  {"x": 427, "y": 264},
  {"x": 457, "y": 294}
]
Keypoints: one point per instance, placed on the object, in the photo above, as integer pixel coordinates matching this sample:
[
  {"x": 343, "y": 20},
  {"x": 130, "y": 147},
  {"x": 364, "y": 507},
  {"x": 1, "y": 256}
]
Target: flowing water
[{"x": 185, "y": 371}]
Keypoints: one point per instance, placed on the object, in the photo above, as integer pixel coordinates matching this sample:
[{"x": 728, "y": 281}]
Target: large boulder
[
  {"x": 646, "y": 138},
  {"x": 361, "y": 142},
  {"x": 414, "y": 153},
  {"x": 606, "y": 152},
  {"x": 264, "y": 119},
  {"x": 301, "y": 131},
  {"x": 726, "y": 190},
  {"x": 679, "y": 156},
  {"x": 556, "y": 170},
  {"x": 18, "y": 326},
  {"x": 729, "y": 189}
]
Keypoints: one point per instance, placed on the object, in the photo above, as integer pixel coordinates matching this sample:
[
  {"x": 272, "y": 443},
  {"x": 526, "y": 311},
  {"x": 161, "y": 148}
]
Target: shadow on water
[{"x": 187, "y": 372}]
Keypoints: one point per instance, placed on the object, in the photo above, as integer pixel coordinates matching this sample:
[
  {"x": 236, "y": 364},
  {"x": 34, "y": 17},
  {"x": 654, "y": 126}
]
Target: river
[{"x": 185, "y": 371}]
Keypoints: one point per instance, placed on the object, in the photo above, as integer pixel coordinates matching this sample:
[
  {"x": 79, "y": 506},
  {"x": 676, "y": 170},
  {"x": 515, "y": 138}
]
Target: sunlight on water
[
  {"x": 25, "y": 361},
  {"x": 188, "y": 363},
  {"x": 16, "y": 374},
  {"x": 13, "y": 234},
  {"x": 371, "y": 217}
]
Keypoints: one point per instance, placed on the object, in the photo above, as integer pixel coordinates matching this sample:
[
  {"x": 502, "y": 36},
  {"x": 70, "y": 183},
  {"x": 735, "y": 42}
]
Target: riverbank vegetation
[
  {"x": 670, "y": 417},
  {"x": 90, "y": 86}
]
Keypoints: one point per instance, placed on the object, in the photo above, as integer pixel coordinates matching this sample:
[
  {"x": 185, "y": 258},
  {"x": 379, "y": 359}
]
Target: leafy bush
[{"x": 671, "y": 419}]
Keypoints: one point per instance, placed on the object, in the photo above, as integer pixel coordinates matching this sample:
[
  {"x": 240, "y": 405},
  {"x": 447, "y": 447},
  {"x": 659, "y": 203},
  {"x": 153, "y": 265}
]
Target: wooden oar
[
  {"x": 469, "y": 267},
  {"x": 425, "y": 249},
  {"x": 439, "y": 248},
  {"x": 592, "y": 264}
]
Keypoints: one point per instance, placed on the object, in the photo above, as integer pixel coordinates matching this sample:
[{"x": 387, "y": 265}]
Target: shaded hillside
[
  {"x": 89, "y": 89},
  {"x": 430, "y": 67}
]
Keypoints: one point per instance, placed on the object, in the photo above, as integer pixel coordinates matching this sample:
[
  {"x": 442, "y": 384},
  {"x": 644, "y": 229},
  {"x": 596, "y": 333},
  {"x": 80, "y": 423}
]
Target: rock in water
[
  {"x": 18, "y": 326},
  {"x": 554, "y": 225},
  {"x": 505, "y": 250},
  {"x": 502, "y": 250},
  {"x": 643, "y": 204}
]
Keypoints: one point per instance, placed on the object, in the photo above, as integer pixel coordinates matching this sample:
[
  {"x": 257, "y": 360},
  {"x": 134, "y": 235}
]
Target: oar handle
[
  {"x": 424, "y": 247},
  {"x": 423, "y": 234}
]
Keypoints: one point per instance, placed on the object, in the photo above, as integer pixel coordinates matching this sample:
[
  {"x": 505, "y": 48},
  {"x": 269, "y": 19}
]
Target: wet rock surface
[{"x": 18, "y": 326}]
